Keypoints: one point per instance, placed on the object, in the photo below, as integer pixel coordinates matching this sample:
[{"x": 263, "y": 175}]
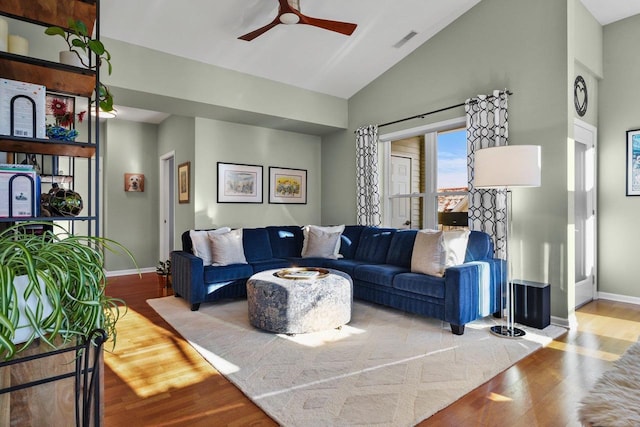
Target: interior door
[
  {"x": 400, "y": 184},
  {"x": 585, "y": 212},
  {"x": 167, "y": 202}
]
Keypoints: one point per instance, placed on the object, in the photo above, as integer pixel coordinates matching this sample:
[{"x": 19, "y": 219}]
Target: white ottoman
[{"x": 297, "y": 306}]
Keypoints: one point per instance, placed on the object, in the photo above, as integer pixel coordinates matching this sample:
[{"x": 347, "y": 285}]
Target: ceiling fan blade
[
  {"x": 345, "y": 28},
  {"x": 253, "y": 34}
]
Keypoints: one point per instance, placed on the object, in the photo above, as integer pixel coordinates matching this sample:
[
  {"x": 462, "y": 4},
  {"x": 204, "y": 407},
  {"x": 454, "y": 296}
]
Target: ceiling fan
[{"x": 289, "y": 13}]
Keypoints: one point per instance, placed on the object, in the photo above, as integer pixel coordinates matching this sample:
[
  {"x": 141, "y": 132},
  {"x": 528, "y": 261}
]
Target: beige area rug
[
  {"x": 385, "y": 368},
  {"x": 615, "y": 398}
]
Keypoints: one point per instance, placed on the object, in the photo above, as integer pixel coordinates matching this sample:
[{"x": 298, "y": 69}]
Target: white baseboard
[
  {"x": 129, "y": 272},
  {"x": 619, "y": 298}
]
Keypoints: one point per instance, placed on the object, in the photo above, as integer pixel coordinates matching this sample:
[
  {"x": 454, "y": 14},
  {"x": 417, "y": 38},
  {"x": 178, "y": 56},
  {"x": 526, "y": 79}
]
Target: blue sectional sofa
[{"x": 377, "y": 259}]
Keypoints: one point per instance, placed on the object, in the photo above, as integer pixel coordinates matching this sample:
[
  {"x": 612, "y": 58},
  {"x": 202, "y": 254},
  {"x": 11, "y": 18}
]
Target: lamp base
[{"x": 506, "y": 332}]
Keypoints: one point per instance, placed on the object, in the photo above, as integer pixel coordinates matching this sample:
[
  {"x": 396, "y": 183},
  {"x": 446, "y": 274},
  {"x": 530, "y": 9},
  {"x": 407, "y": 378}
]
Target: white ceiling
[{"x": 299, "y": 55}]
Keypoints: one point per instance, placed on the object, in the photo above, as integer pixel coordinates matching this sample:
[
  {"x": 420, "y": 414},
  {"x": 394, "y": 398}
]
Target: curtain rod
[{"x": 422, "y": 116}]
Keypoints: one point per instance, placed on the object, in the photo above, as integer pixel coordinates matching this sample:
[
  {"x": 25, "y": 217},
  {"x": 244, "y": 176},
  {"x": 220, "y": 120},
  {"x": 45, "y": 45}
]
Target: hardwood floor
[{"x": 155, "y": 378}]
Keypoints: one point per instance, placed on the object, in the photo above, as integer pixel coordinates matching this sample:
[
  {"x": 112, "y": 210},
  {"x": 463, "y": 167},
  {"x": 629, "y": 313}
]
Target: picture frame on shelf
[
  {"x": 184, "y": 182},
  {"x": 633, "y": 162},
  {"x": 134, "y": 182},
  {"x": 287, "y": 185},
  {"x": 60, "y": 117},
  {"x": 239, "y": 183}
]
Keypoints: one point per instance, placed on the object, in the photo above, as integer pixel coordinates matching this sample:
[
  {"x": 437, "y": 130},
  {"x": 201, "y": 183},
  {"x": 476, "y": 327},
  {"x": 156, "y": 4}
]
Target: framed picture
[
  {"x": 633, "y": 162},
  {"x": 184, "y": 182},
  {"x": 287, "y": 185},
  {"x": 60, "y": 111},
  {"x": 134, "y": 182},
  {"x": 238, "y": 183}
]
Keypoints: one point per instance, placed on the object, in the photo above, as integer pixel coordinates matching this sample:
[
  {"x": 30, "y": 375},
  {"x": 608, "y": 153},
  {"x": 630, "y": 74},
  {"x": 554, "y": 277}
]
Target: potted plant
[
  {"x": 52, "y": 288},
  {"x": 82, "y": 45},
  {"x": 163, "y": 271}
]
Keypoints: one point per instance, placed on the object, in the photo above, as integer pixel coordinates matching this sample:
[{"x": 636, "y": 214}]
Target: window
[{"x": 426, "y": 179}]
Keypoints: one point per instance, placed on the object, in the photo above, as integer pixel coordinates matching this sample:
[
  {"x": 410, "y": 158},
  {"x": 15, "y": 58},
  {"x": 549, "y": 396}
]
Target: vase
[
  {"x": 24, "y": 328},
  {"x": 70, "y": 58},
  {"x": 60, "y": 133}
]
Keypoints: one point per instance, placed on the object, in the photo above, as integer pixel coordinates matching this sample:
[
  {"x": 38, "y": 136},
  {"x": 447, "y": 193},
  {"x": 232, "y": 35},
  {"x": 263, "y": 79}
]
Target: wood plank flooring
[{"x": 155, "y": 378}]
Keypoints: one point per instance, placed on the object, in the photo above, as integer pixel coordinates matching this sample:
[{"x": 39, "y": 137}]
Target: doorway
[
  {"x": 585, "y": 212},
  {"x": 167, "y": 203}
]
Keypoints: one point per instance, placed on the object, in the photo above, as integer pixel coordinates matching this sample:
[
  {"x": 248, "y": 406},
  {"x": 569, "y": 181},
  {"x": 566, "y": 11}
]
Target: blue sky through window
[{"x": 452, "y": 159}]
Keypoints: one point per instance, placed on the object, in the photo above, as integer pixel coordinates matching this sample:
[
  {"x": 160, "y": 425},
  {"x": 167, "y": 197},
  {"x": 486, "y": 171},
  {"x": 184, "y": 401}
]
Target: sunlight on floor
[
  {"x": 317, "y": 339},
  {"x": 139, "y": 362},
  {"x": 499, "y": 398}
]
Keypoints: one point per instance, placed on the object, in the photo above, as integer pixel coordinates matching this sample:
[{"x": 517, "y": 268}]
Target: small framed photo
[
  {"x": 239, "y": 183},
  {"x": 60, "y": 111},
  {"x": 633, "y": 162},
  {"x": 287, "y": 185},
  {"x": 184, "y": 182},
  {"x": 134, "y": 182}
]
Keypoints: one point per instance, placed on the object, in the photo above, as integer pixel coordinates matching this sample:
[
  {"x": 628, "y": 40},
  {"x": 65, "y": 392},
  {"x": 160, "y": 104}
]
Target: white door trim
[
  {"x": 166, "y": 204},
  {"x": 584, "y": 133}
]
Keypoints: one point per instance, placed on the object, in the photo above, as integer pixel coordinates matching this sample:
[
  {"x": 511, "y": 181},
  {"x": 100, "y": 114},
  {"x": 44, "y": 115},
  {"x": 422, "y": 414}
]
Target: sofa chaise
[{"x": 379, "y": 261}]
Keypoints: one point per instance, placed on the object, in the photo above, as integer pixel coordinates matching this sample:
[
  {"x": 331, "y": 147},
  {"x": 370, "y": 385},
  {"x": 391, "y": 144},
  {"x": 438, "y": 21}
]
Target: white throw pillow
[
  {"x": 201, "y": 245},
  {"x": 455, "y": 243},
  {"x": 321, "y": 242},
  {"x": 429, "y": 253},
  {"x": 227, "y": 248}
]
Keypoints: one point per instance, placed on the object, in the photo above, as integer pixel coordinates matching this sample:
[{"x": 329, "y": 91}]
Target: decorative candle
[
  {"x": 18, "y": 45},
  {"x": 4, "y": 35}
]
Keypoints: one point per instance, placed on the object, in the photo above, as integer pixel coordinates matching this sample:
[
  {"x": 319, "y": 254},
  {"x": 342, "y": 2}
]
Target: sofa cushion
[
  {"x": 374, "y": 244},
  {"x": 217, "y": 274},
  {"x": 345, "y": 265},
  {"x": 286, "y": 240},
  {"x": 428, "y": 255},
  {"x": 455, "y": 243},
  {"x": 269, "y": 264},
  {"x": 201, "y": 245},
  {"x": 321, "y": 242},
  {"x": 401, "y": 248},
  {"x": 379, "y": 274},
  {"x": 226, "y": 248},
  {"x": 421, "y": 284},
  {"x": 257, "y": 246},
  {"x": 479, "y": 247},
  {"x": 349, "y": 240}
]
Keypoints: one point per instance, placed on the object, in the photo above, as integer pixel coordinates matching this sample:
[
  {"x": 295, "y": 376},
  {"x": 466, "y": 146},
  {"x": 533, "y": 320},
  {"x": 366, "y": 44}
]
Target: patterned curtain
[
  {"x": 487, "y": 126},
  {"x": 367, "y": 175}
]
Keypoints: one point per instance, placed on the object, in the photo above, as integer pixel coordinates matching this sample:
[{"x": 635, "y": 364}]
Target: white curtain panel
[
  {"x": 367, "y": 175},
  {"x": 487, "y": 126}
]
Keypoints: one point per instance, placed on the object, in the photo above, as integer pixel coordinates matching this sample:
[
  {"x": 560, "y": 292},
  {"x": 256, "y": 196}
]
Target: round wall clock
[{"x": 580, "y": 96}]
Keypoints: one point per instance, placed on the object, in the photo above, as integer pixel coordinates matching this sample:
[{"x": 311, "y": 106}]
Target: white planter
[
  {"x": 24, "y": 329},
  {"x": 70, "y": 58}
]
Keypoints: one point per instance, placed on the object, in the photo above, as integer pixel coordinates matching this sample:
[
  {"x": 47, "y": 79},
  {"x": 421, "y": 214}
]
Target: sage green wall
[
  {"x": 218, "y": 141},
  {"x": 131, "y": 218},
  {"x": 191, "y": 88},
  {"x": 525, "y": 52},
  {"x": 618, "y": 234},
  {"x": 177, "y": 134},
  {"x": 587, "y": 49}
]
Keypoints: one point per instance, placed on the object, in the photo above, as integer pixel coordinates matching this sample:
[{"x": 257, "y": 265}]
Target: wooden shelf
[
  {"x": 55, "y": 76},
  {"x": 14, "y": 144},
  {"x": 51, "y": 12}
]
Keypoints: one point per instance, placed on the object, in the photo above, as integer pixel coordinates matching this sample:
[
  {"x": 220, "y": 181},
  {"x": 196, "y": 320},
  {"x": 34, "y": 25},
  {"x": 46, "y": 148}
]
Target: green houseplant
[
  {"x": 80, "y": 42},
  {"x": 65, "y": 288}
]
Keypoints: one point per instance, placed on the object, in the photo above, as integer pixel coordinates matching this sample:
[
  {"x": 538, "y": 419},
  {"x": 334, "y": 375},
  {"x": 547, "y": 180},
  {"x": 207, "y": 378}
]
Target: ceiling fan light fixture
[{"x": 289, "y": 18}]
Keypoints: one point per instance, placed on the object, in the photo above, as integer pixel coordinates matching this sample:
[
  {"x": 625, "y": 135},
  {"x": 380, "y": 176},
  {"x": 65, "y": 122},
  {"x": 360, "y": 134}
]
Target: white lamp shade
[{"x": 507, "y": 166}]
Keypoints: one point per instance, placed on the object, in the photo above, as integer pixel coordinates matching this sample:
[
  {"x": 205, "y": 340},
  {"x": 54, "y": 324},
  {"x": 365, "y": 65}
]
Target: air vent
[{"x": 405, "y": 39}]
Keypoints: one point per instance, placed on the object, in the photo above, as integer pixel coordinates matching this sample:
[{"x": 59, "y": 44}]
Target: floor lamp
[{"x": 506, "y": 167}]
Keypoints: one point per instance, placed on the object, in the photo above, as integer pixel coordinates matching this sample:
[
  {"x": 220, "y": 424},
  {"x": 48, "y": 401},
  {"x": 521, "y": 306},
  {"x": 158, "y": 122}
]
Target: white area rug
[
  {"x": 386, "y": 368},
  {"x": 615, "y": 398}
]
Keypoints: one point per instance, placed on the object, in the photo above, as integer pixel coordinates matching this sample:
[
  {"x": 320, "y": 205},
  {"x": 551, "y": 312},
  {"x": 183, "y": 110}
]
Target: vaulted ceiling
[{"x": 300, "y": 55}]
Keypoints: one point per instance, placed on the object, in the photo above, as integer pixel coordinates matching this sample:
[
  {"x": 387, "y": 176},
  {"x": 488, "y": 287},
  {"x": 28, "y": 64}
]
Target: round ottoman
[{"x": 296, "y": 306}]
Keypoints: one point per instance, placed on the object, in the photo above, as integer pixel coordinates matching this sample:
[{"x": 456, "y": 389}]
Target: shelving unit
[
  {"x": 20, "y": 392},
  {"x": 62, "y": 79}
]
